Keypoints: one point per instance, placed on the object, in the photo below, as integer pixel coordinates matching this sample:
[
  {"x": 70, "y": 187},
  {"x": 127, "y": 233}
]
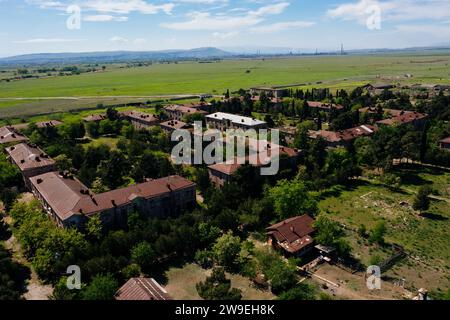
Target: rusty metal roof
[{"x": 142, "y": 289}]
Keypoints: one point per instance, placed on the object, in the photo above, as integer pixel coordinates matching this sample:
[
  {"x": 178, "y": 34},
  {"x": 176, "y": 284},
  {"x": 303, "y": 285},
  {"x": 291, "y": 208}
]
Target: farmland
[{"x": 117, "y": 85}]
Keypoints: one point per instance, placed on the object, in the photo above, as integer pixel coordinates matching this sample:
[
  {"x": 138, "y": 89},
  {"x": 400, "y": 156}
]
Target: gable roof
[
  {"x": 68, "y": 196},
  {"x": 28, "y": 156},
  {"x": 344, "y": 135},
  {"x": 141, "y": 116},
  {"x": 404, "y": 117},
  {"x": 95, "y": 117},
  {"x": 142, "y": 289},
  {"x": 184, "y": 109},
  {"x": 175, "y": 124},
  {"x": 9, "y": 134},
  {"x": 293, "y": 234}
]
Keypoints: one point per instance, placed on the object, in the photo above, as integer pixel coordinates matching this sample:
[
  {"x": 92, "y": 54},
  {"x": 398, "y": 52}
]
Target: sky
[{"x": 36, "y": 26}]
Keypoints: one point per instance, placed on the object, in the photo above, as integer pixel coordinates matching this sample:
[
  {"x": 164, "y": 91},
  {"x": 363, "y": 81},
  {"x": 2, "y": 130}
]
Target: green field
[
  {"x": 215, "y": 78},
  {"x": 425, "y": 238}
]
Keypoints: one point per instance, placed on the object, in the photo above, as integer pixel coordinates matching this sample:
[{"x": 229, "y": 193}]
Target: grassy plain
[
  {"x": 196, "y": 78},
  {"x": 425, "y": 238}
]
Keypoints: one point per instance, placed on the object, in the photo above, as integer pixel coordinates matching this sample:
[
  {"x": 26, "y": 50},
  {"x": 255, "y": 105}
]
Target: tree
[
  {"x": 301, "y": 291},
  {"x": 131, "y": 271},
  {"x": 113, "y": 170},
  {"x": 218, "y": 287},
  {"x": 102, "y": 287},
  {"x": 329, "y": 233},
  {"x": 94, "y": 227},
  {"x": 290, "y": 198},
  {"x": 112, "y": 114},
  {"x": 63, "y": 163},
  {"x": 144, "y": 255},
  {"x": 61, "y": 292},
  {"x": 378, "y": 232},
  {"x": 422, "y": 201},
  {"x": 226, "y": 250},
  {"x": 98, "y": 186},
  {"x": 72, "y": 130}
]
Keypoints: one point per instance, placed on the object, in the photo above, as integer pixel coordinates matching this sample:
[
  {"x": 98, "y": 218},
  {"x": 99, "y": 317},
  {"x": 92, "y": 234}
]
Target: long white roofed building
[{"x": 223, "y": 121}]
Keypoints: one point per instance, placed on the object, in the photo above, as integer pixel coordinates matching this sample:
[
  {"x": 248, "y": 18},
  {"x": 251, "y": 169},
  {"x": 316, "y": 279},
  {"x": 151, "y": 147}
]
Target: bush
[
  {"x": 131, "y": 271},
  {"x": 218, "y": 287},
  {"x": 102, "y": 287}
]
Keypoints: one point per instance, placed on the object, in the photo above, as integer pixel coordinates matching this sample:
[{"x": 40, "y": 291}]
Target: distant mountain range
[
  {"x": 115, "y": 56},
  {"x": 206, "y": 53}
]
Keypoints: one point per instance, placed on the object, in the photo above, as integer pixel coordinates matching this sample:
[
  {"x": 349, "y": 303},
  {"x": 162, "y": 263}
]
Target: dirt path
[
  {"x": 35, "y": 289},
  {"x": 353, "y": 286}
]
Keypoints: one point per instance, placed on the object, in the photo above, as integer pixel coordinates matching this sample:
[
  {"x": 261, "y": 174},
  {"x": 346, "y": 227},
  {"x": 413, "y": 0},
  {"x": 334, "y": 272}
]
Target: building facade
[
  {"x": 140, "y": 120},
  {"x": 70, "y": 203}
]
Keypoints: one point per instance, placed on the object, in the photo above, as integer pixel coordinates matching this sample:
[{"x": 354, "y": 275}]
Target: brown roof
[
  {"x": 184, "y": 109},
  {"x": 446, "y": 140},
  {"x": 9, "y": 134},
  {"x": 323, "y": 105},
  {"x": 68, "y": 196},
  {"x": 51, "y": 123},
  {"x": 28, "y": 156},
  {"x": 226, "y": 168},
  {"x": 95, "y": 117},
  {"x": 42, "y": 124},
  {"x": 138, "y": 115},
  {"x": 293, "y": 234},
  {"x": 174, "y": 124},
  {"x": 344, "y": 135},
  {"x": 142, "y": 289},
  {"x": 403, "y": 118}
]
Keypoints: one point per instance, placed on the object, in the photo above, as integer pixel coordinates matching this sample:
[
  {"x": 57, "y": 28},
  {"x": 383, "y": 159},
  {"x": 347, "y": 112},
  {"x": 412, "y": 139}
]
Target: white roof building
[{"x": 236, "y": 120}]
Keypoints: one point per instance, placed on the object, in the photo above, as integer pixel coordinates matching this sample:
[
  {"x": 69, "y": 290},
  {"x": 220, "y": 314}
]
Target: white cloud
[
  {"x": 281, "y": 26},
  {"x": 393, "y": 10},
  {"x": 117, "y": 39},
  {"x": 225, "y": 35},
  {"x": 104, "y": 18},
  {"x": 103, "y": 7},
  {"x": 46, "y": 40},
  {"x": 220, "y": 22}
]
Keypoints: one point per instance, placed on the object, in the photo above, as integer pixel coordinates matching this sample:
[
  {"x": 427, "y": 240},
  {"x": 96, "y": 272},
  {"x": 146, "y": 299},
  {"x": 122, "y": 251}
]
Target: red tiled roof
[
  {"x": 293, "y": 234},
  {"x": 174, "y": 124},
  {"x": 446, "y": 140},
  {"x": 27, "y": 156},
  {"x": 184, "y": 109},
  {"x": 141, "y": 116},
  {"x": 403, "y": 118},
  {"x": 95, "y": 117},
  {"x": 68, "y": 196},
  {"x": 51, "y": 123},
  {"x": 9, "y": 134},
  {"x": 344, "y": 135},
  {"x": 142, "y": 289}
]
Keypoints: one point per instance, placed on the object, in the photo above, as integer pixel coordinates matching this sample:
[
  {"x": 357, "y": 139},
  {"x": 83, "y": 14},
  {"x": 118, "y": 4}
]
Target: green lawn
[
  {"x": 426, "y": 238},
  {"x": 110, "y": 142},
  {"x": 215, "y": 78}
]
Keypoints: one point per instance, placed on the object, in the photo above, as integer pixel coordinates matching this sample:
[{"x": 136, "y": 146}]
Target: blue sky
[{"x": 30, "y": 26}]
